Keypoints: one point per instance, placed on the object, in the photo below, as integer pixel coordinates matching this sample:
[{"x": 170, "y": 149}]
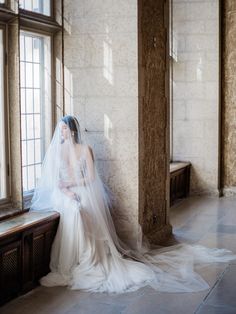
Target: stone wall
[
  {"x": 101, "y": 79},
  {"x": 195, "y": 91}
]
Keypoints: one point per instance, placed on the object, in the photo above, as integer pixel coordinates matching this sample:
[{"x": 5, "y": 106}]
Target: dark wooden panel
[
  {"x": 179, "y": 184},
  {"x": 24, "y": 258},
  {"x": 10, "y": 274}
]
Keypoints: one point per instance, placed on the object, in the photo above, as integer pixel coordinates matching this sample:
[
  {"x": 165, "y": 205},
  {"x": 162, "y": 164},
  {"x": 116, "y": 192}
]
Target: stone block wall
[
  {"x": 195, "y": 91},
  {"x": 101, "y": 79}
]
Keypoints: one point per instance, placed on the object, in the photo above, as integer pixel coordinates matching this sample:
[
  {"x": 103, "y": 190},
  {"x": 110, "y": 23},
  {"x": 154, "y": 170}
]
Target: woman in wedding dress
[{"x": 87, "y": 253}]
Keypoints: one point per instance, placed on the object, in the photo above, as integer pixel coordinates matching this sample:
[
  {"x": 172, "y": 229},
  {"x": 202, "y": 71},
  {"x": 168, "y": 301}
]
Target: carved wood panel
[{"x": 24, "y": 258}]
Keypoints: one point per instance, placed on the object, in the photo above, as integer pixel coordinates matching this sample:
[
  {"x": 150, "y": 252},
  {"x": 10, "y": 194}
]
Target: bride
[{"x": 86, "y": 253}]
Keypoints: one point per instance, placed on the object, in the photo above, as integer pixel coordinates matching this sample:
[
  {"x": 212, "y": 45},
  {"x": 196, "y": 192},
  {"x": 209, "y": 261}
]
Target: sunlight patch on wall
[
  {"x": 108, "y": 58},
  {"x": 108, "y": 128}
]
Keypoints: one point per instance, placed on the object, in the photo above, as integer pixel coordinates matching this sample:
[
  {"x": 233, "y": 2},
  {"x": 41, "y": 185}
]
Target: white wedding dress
[
  {"x": 81, "y": 261},
  {"x": 87, "y": 253}
]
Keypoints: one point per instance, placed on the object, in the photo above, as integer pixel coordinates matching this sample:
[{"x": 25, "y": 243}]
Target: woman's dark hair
[{"x": 73, "y": 124}]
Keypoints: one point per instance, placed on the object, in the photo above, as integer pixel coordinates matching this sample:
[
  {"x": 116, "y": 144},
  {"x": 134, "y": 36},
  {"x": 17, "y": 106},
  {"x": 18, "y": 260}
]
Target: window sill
[
  {"x": 25, "y": 221},
  {"x": 177, "y": 165},
  {"x": 10, "y": 212}
]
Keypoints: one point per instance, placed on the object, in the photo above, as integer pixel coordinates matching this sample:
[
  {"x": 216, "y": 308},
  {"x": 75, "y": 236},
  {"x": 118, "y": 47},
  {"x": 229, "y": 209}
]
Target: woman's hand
[
  {"x": 64, "y": 185},
  {"x": 75, "y": 197},
  {"x": 72, "y": 195}
]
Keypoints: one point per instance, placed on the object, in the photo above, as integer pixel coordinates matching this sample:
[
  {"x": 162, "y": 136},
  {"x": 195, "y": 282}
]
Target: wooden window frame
[
  {"x": 28, "y": 194},
  {"x": 43, "y": 25},
  {"x": 39, "y": 14}
]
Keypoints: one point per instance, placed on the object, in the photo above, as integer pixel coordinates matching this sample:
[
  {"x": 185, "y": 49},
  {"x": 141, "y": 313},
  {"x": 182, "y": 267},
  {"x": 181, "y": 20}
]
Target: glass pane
[
  {"x": 30, "y": 126},
  {"x": 38, "y": 6},
  {"x": 36, "y": 100},
  {"x": 36, "y": 46},
  {"x": 22, "y": 48},
  {"x": 37, "y": 126},
  {"x": 28, "y": 5},
  {"x": 37, "y": 151},
  {"x": 22, "y": 96},
  {"x": 22, "y": 74},
  {"x": 25, "y": 181},
  {"x": 28, "y": 49},
  {"x": 29, "y": 78},
  {"x": 36, "y": 75},
  {"x": 2, "y": 125},
  {"x": 23, "y": 127},
  {"x": 35, "y": 103},
  {"x": 31, "y": 178},
  {"x": 37, "y": 172},
  {"x": 30, "y": 152},
  {"x": 24, "y": 153},
  {"x": 29, "y": 100}
]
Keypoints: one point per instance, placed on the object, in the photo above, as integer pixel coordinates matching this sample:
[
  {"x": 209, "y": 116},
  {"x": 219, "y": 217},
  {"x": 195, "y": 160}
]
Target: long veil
[{"x": 69, "y": 167}]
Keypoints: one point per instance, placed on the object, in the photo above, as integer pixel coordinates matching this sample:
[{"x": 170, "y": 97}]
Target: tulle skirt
[{"x": 80, "y": 261}]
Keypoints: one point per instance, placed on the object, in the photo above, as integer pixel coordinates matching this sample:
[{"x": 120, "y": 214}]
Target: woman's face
[{"x": 65, "y": 130}]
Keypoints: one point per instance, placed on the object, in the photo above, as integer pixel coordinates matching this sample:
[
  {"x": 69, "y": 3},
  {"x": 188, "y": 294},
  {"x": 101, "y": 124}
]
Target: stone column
[
  {"x": 14, "y": 112},
  {"x": 153, "y": 119},
  {"x": 229, "y": 97}
]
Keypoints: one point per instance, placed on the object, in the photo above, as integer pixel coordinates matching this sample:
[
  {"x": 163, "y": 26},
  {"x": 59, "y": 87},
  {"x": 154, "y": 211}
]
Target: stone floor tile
[
  {"x": 166, "y": 303},
  {"x": 216, "y": 309},
  {"x": 223, "y": 228},
  {"x": 88, "y": 307},
  {"x": 224, "y": 292}
]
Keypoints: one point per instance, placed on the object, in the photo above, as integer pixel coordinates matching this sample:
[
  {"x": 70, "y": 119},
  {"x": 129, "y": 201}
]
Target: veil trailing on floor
[{"x": 69, "y": 176}]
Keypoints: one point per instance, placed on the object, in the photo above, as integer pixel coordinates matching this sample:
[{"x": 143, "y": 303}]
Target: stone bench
[
  {"x": 179, "y": 180},
  {"x": 25, "y": 245}
]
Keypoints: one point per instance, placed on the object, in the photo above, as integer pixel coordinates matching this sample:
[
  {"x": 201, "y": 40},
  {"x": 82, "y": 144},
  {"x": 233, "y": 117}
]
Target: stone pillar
[
  {"x": 153, "y": 119},
  {"x": 14, "y": 113},
  {"x": 229, "y": 97}
]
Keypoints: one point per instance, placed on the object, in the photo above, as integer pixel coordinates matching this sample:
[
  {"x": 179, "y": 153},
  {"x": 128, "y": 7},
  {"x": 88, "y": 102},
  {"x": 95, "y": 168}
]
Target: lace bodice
[{"x": 68, "y": 172}]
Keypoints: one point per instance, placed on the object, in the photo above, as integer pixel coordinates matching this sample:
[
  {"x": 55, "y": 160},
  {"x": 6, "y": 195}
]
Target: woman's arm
[{"x": 90, "y": 173}]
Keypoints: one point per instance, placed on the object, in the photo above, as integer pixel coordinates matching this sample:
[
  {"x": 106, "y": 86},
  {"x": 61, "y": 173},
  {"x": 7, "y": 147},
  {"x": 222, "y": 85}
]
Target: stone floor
[{"x": 204, "y": 220}]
